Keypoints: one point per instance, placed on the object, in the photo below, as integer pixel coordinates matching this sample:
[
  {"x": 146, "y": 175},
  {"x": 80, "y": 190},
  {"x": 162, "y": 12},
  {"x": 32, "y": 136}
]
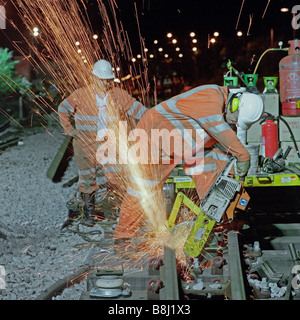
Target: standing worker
[
  {"x": 208, "y": 113},
  {"x": 94, "y": 107}
]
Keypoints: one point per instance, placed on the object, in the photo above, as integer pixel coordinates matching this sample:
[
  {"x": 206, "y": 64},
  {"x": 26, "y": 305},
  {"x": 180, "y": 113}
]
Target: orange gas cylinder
[{"x": 289, "y": 77}]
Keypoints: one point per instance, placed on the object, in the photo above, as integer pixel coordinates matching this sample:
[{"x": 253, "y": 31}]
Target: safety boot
[{"x": 90, "y": 214}]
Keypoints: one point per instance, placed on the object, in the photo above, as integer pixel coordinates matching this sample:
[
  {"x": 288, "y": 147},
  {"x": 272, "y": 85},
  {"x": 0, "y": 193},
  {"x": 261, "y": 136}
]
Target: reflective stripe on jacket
[
  {"x": 82, "y": 105},
  {"x": 199, "y": 108}
]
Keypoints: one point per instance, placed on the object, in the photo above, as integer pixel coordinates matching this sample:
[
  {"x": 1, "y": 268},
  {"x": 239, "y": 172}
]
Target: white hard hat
[
  {"x": 251, "y": 108},
  {"x": 103, "y": 70},
  {"x": 237, "y": 90}
]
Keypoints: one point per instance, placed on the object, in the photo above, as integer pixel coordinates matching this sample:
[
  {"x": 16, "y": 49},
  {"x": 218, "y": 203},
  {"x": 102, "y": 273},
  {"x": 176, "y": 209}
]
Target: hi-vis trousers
[
  {"x": 85, "y": 156},
  {"x": 89, "y": 169}
]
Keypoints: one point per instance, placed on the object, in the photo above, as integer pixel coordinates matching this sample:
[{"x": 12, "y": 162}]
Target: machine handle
[
  {"x": 289, "y": 148},
  {"x": 242, "y": 179}
]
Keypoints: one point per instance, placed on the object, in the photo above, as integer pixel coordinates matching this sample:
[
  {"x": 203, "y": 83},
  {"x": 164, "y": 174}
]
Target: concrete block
[
  {"x": 294, "y": 123},
  {"x": 281, "y": 243},
  {"x": 254, "y": 133},
  {"x": 271, "y": 103},
  {"x": 260, "y": 147}
]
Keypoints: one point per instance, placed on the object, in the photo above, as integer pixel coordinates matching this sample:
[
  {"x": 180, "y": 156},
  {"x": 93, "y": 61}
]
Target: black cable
[
  {"x": 59, "y": 286},
  {"x": 292, "y": 134},
  {"x": 265, "y": 116}
]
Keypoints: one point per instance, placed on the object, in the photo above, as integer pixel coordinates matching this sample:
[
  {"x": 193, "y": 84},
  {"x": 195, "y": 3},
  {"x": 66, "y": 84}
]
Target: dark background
[{"x": 155, "y": 18}]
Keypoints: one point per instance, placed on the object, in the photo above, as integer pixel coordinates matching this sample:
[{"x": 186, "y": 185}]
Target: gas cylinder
[
  {"x": 289, "y": 77},
  {"x": 269, "y": 138}
]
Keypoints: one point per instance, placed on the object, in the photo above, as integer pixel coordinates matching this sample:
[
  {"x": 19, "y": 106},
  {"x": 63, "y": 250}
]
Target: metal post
[{"x": 20, "y": 108}]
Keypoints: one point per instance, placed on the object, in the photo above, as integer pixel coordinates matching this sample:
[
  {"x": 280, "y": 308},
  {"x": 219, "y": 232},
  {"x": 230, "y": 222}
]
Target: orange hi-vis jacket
[
  {"x": 201, "y": 109},
  {"x": 82, "y": 112},
  {"x": 83, "y": 105}
]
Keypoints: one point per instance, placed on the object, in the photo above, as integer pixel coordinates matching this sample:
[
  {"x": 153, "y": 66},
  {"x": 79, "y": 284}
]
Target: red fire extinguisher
[{"x": 269, "y": 137}]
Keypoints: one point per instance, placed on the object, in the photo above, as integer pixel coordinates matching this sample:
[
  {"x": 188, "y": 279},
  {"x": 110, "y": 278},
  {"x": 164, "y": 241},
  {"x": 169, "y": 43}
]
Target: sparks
[
  {"x": 266, "y": 9},
  {"x": 250, "y": 23},
  {"x": 238, "y": 20}
]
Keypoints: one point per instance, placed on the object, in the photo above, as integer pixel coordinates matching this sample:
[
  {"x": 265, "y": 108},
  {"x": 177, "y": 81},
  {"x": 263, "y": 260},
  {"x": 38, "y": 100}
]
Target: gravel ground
[{"x": 35, "y": 253}]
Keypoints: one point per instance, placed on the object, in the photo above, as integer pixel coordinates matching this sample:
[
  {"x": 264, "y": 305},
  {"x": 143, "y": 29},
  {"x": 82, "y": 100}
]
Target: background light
[
  {"x": 239, "y": 33},
  {"x": 35, "y": 31},
  {"x": 192, "y": 34},
  {"x": 284, "y": 9}
]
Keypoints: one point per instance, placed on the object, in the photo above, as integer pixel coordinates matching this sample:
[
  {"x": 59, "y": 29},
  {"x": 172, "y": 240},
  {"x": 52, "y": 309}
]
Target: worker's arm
[
  {"x": 65, "y": 112},
  {"x": 129, "y": 104},
  {"x": 220, "y": 130}
]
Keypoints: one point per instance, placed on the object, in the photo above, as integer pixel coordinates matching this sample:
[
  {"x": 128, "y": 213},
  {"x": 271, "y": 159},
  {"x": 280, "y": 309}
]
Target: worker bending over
[
  {"x": 203, "y": 120},
  {"x": 95, "y": 108}
]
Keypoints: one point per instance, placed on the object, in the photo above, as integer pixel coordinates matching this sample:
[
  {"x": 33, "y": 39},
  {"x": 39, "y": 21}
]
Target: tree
[{"x": 10, "y": 81}]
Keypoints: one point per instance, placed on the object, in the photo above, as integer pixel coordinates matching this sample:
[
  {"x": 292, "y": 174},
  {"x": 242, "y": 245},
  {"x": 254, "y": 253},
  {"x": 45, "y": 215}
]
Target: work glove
[
  {"x": 72, "y": 133},
  {"x": 242, "y": 167}
]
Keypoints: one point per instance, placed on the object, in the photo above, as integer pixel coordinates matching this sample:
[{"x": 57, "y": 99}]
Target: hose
[
  {"x": 289, "y": 128},
  {"x": 292, "y": 134},
  {"x": 259, "y": 60},
  {"x": 270, "y": 49},
  {"x": 61, "y": 284}
]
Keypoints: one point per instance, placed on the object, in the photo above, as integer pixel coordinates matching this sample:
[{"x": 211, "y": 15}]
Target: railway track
[
  {"x": 261, "y": 262},
  {"x": 243, "y": 272}
]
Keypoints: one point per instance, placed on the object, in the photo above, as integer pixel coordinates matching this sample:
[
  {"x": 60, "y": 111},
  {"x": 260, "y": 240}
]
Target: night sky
[{"x": 157, "y": 17}]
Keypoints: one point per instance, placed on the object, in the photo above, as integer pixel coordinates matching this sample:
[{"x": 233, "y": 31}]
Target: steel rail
[
  {"x": 169, "y": 277},
  {"x": 235, "y": 269}
]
